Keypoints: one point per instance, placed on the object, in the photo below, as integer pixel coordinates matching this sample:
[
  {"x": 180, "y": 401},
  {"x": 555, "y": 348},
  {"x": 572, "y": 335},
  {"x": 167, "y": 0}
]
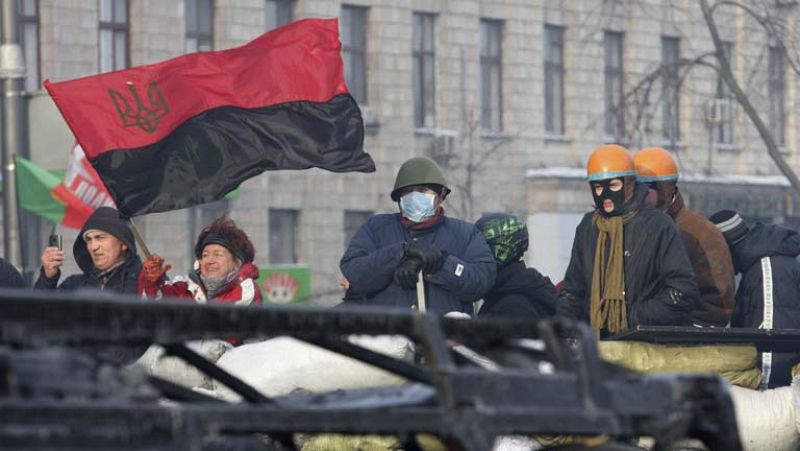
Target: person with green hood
[
  {"x": 518, "y": 291},
  {"x": 385, "y": 257}
]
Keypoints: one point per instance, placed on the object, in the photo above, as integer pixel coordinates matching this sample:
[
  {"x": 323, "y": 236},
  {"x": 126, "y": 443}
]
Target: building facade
[{"x": 510, "y": 96}]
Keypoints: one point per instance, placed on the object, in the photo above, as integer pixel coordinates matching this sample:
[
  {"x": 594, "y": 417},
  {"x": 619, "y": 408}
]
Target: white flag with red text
[{"x": 83, "y": 181}]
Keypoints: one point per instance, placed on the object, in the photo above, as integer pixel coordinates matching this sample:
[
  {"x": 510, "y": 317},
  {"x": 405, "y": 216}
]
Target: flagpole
[
  {"x": 139, "y": 240},
  {"x": 12, "y": 73}
]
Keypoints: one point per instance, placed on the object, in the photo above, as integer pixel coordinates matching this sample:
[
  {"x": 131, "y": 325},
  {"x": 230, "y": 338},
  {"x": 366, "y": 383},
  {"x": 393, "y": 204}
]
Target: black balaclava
[{"x": 618, "y": 197}]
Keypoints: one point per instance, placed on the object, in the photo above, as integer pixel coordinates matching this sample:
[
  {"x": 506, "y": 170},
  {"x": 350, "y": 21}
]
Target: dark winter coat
[
  {"x": 378, "y": 247},
  {"x": 520, "y": 292},
  {"x": 711, "y": 261},
  {"x": 769, "y": 252},
  {"x": 123, "y": 278},
  {"x": 9, "y": 276},
  {"x": 660, "y": 287}
]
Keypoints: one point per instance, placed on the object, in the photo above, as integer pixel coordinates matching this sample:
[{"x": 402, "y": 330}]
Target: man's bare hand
[{"x": 52, "y": 259}]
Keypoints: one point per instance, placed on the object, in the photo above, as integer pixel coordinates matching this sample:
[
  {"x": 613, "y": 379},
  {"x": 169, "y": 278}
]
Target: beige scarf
[{"x": 607, "y": 308}]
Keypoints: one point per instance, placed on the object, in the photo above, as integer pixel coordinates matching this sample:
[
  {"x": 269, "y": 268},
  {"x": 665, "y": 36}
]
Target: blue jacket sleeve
[
  {"x": 749, "y": 310},
  {"x": 470, "y": 277},
  {"x": 367, "y": 267}
]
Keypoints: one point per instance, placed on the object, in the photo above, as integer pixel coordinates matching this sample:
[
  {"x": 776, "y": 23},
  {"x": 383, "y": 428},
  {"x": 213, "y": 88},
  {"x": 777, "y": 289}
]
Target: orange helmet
[
  {"x": 609, "y": 162},
  {"x": 654, "y": 164}
]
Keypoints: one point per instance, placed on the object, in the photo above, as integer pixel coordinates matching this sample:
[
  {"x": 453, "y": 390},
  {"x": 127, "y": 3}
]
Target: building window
[
  {"x": 279, "y": 13},
  {"x": 28, "y": 14},
  {"x": 491, "y": 75},
  {"x": 354, "y": 36},
  {"x": 554, "y": 80},
  {"x": 282, "y": 236},
  {"x": 614, "y": 96},
  {"x": 670, "y": 54},
  {"x": 423, "y": 51},
  {"x": 777, "y": 92},
  {"x": 723, "y": 115},
  {"x": 199, "y": 25},
  {"x": 201, "y": 216},
  {"x": 353, "y": 219},
  {"x": 113, "y": 30}
]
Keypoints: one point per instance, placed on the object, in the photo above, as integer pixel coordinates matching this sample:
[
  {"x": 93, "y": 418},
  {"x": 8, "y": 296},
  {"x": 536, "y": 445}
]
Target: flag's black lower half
[{"x": 212, "y": 153}]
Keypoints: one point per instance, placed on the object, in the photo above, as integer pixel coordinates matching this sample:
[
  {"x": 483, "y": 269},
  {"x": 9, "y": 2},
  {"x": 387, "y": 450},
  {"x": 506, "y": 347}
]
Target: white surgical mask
[{"x": 416, "y": 206}]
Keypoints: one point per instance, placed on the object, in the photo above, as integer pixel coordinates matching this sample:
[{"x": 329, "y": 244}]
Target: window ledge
[
  {"x": 425, "y": 131},
  {"x": 608, "y": 139},
  {"x": 677, "y": 145},
  {"x": 724, "y": 147},
  {"x": 549, "y": 137},
  {"x": 498, "y": 135}
]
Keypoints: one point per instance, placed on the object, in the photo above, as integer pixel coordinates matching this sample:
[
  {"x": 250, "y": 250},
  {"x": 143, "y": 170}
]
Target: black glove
[
  {"x": 431, "y": 257},
  {"x": 406, "y": 273}
]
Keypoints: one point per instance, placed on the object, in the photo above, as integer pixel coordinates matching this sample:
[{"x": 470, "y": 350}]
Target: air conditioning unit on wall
[
  {"x": 444, "y": 147},
  {"x": 718, "y": 111},
  {"x": 370, "y": 118}
]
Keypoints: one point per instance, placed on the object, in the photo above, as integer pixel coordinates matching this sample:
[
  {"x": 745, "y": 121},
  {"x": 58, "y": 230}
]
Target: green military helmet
[{"x": 419, "y": 171}]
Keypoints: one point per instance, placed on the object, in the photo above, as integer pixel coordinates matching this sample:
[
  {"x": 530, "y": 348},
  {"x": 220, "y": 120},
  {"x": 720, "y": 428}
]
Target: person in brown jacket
[{"x": 708, "y": 252}]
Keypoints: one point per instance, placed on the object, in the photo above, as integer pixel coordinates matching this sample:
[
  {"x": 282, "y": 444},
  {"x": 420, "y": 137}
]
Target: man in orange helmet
[
  {"x": 708, "y": 252},
  {"x": 628, "y": 265}
]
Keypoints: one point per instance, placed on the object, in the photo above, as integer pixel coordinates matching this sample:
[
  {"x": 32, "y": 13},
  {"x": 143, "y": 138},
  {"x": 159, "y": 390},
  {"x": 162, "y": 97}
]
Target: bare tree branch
[{"x": 743, "y": 100}]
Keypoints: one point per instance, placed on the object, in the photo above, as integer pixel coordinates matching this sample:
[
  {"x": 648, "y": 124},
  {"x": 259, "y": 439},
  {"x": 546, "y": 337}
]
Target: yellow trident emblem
[{"x": 137, "y": 113}]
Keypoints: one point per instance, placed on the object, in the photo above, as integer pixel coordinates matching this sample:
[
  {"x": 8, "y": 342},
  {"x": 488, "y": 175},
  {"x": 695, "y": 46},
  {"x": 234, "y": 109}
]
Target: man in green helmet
[{"x": 385, "y": 257}]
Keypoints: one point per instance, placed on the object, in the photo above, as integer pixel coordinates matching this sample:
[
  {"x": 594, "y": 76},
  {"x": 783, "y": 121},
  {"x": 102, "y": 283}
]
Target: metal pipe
[{"x": 12, "y": 73}]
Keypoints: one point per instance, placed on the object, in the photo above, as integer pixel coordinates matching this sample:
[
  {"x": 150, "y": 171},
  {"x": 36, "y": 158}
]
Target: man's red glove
[{"x": 154, "y": 269}]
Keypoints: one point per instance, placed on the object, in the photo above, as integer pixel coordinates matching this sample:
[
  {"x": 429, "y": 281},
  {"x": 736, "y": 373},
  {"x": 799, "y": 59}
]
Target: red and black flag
[{"x": 190, "y": 129}]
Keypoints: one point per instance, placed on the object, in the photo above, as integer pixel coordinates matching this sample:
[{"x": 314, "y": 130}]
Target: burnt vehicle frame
[{"x": 463, "y": 389}]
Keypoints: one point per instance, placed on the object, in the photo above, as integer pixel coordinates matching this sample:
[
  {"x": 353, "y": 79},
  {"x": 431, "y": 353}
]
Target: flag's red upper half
[{"x": 137, "y": 107}]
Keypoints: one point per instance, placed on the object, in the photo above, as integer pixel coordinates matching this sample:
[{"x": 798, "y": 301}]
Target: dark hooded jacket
[
  {"x": 123, "y": 278},
  {"x": 660, "y": 287},
  {"x": 378, "y": 247},
  {"x": 520, "y": 292},
  {"x": 769, "y": 253}
]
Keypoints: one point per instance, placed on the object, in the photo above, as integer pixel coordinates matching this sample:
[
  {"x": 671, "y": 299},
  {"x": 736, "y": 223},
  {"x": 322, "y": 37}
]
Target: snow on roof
[{"x": 722, "y": 179}]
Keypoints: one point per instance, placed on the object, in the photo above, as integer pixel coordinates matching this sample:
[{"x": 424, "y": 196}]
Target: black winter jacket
[
  {"x": 660, "y": 288},
  {"x": 378, "y": 247},
  {"x": 769, "y": 252},
  {"x": 123, "y": 279},
  {"x": 520, "y": 292},
  {"x": 9, "y": 276}
]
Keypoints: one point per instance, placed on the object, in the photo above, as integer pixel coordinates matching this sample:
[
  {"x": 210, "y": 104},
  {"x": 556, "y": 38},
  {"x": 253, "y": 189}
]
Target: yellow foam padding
[
  {"x": 341, "y": 442},
  {"x": 735, "y": 363}
]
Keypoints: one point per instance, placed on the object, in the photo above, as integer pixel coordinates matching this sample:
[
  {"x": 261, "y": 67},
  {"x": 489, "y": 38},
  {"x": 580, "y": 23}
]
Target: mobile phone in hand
[{"x": 55, "y": 241}]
